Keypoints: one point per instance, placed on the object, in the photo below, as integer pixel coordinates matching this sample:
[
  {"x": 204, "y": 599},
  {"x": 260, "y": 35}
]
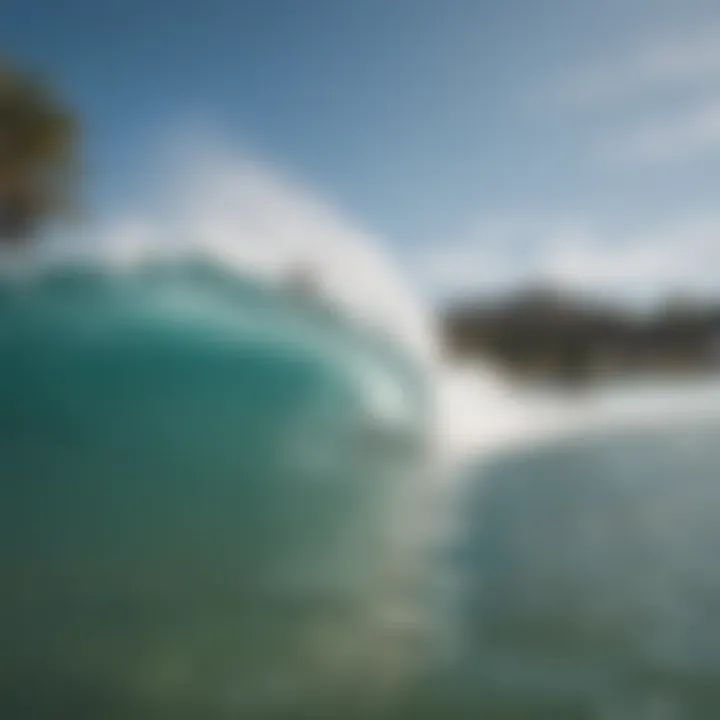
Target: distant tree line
[{"x": 545, "y": 334}]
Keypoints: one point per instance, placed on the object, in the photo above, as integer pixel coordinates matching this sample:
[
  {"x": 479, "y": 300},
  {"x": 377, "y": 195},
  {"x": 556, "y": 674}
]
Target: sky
[{"x": 483, "y": 144}]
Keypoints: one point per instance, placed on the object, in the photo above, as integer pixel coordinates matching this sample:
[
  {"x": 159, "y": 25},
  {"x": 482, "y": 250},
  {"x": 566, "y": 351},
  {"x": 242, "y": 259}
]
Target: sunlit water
[
  {"x": 207, "y": 500},
  {"x": 588, "y": 581},
  {"x": 222, "y": 499}
]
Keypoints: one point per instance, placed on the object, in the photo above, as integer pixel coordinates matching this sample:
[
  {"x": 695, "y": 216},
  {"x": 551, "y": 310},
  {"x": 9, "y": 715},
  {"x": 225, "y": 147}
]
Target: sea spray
[
  {"x": 223, "y": 497},
  {"x": 224, "y": 500},
  {"x": 205, "y": 500}
]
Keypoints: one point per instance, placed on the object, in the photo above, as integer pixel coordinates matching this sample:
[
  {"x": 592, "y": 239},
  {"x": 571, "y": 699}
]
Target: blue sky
[{"x": 485, "y": 142}]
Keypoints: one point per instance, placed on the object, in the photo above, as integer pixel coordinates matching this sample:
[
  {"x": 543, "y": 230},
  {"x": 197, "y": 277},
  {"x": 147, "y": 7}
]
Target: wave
[{"x": 223, "y": 490}]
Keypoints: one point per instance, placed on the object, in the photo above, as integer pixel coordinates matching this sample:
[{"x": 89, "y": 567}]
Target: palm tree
[{"x": 37, "y": 156}]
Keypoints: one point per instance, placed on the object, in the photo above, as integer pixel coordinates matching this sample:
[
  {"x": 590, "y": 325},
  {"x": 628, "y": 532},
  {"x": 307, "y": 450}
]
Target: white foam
[{"x": 211, "y": 200}]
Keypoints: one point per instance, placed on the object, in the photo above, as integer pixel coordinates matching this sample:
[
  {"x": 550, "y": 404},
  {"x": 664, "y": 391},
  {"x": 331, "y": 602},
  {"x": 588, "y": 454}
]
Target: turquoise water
[
  {"x": 203, "y": 483},
  {"x": 216, "y": 504}
]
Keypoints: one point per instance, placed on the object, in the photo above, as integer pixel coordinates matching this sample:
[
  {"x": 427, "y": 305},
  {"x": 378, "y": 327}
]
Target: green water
[
  {"x": 590, "y": 582},
  {"x": 200, "y": 502},
  {"x": 214, "y": 506}
]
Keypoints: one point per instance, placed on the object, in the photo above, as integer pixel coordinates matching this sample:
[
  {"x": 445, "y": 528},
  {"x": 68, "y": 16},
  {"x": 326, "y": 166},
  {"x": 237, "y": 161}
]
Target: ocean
[
  {"x": 588, "y": 581},
  {"x": 221, "y": 500},
  {"x": 203, "y": 499}
]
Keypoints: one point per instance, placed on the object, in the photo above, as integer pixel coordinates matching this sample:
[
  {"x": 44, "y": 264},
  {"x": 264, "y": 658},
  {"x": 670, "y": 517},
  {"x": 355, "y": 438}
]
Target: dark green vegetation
[
  {"x": 38, "y": 153},
  {"x": 549, "y": 336}
]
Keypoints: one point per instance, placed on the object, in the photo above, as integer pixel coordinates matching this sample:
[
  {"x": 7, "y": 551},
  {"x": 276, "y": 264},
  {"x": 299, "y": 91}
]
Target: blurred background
[
  {"x": 426, "y": 292},
  {"x": 550, "y": 163}
]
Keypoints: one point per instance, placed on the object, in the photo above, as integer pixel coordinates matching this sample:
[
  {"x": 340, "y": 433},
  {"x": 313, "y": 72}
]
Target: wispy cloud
[
  {"x": 666, "y": 86},
  {"x": 639, "y": 266},
  {"x": 684, "y": 135},
  {"x": 669, "y": 62}
]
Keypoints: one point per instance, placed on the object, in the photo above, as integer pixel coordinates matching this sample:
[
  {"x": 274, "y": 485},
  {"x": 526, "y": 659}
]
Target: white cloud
[
  {"x": 683, "y": 136},
  {"x": 669, "y": 62},
  {"x": 682, "y": 256},
  {"x": 668, "y": 88}
]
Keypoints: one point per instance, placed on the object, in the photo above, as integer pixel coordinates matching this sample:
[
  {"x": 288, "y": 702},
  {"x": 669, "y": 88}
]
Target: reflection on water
[{"x": 591, "y": 582}]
